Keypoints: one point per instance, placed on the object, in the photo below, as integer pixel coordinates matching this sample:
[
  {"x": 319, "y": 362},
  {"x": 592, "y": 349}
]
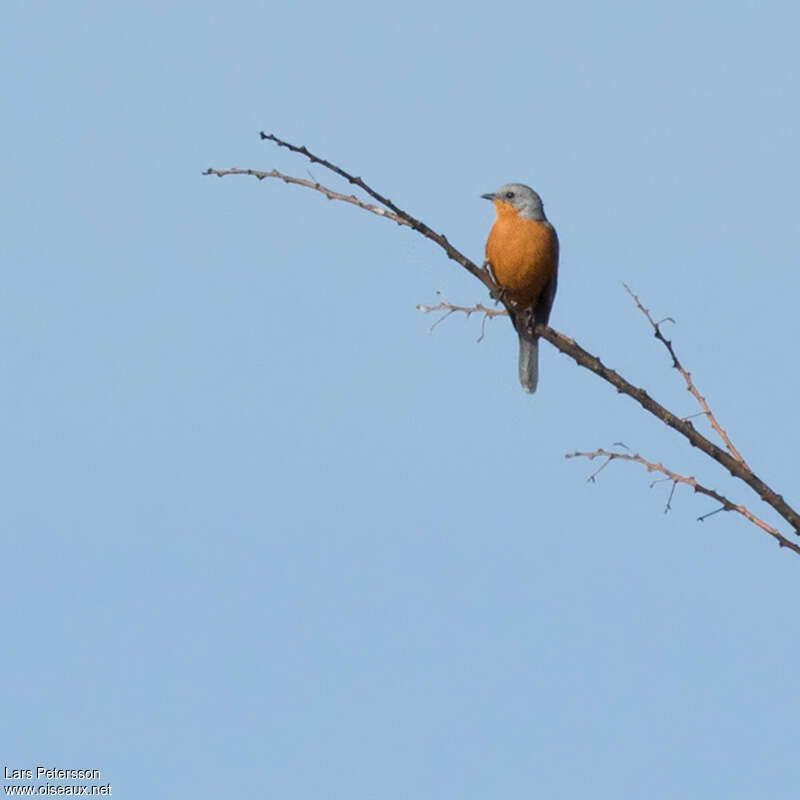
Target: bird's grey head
[{"x": 527, "y": 203}]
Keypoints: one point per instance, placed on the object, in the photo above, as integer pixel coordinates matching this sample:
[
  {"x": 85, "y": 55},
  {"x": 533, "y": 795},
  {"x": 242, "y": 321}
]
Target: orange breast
[{"x": 523, "y": 254}]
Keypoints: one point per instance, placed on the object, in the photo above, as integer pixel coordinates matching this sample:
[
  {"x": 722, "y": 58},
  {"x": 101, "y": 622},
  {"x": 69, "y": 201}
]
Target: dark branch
[{"x": 457, "y": 256}]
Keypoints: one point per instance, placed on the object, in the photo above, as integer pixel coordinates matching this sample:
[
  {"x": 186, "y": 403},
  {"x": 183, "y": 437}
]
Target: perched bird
[{"x": 522, "y": 253}]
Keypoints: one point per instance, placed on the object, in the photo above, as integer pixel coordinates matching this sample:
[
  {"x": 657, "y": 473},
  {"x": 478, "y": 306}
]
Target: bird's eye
[{"x": 509, "y": 195}]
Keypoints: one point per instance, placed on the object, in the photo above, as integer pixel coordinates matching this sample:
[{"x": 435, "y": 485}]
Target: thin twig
[
  {"x": 687, "y": 377},
  {"x": 652, "y": 466},
  {"x": 316, "y": 186},
  {"x": 711, "y": 514},
  {"x": 698, "y": 414},
  {"x": 449, "y": 308},
  {"x": 479, "y": 308},
  {"x": 671, "y": 495},
  {"x": 593, "y": 477}
]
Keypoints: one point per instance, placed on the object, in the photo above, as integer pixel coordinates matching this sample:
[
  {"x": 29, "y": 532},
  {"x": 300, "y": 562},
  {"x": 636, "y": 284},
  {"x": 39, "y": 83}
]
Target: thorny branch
[
  {"x": 698, "y": 487},
  {"x": 731, "y": 461}
]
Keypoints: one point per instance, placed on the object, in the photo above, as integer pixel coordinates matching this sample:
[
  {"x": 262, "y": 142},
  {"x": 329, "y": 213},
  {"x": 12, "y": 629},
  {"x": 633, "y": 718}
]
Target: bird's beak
[{"x": 490, "y": 196}]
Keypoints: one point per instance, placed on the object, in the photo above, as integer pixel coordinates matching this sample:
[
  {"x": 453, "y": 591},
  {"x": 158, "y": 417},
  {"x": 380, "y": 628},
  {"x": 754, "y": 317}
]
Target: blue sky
[{"x": 262, "y": 533}]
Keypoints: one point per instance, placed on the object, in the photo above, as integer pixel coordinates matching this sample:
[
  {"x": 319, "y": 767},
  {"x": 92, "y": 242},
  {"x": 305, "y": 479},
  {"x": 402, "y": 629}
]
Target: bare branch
[
  {"x": 479, "y": 308},
  {"x": 481, "y": 274},
  {"x": 687, "y": 377},
  {"x": 736, "y": 467},
  {"x": 468, "y": 311},
  {"x": 696, "y": 439},
  {"x": 699, "y": 488},
  {"x": 732, "y": 461},
  {"x": 317, "y": 187}
]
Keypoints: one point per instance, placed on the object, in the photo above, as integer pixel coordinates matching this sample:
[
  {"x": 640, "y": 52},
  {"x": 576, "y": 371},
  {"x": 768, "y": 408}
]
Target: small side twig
[
  {"x": 687, "y": 377},
  {"x": 468, "y": 311},
  {"x": 315, "y": 185},
  {"x": 671, "y": 495},
  {"x": 710, "y": 514},
  {"x": 676, "y": 478}
]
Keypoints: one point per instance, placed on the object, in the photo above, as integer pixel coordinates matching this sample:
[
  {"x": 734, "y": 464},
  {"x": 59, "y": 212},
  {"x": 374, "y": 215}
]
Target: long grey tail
[{"x": 528, "y": 364}]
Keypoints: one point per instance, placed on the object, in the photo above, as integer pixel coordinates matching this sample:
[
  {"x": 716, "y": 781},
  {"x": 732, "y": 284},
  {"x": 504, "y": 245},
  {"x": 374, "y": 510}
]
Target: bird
[{"x": 522, "y": 255}]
